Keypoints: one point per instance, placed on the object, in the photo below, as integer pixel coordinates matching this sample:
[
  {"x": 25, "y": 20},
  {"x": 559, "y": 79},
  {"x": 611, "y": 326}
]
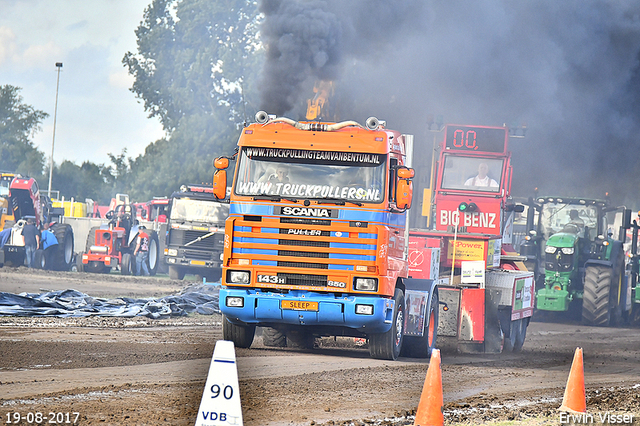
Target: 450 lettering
[{"x": 273, "y": 279}]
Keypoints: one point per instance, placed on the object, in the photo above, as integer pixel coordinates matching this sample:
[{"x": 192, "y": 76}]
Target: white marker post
[{"x": 220, "y": 404}]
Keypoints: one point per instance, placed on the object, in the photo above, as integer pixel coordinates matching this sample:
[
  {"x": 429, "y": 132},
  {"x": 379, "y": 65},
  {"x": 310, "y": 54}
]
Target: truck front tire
[
  {"x": 176, "y": 273},
  {"x": 388, "y": 345},
  {"x": 240, "y": 335}
]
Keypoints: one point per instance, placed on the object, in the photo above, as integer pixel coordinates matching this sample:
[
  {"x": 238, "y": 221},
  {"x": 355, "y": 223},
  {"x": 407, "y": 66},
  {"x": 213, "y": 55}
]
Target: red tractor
[
  {"x": 112, "y": 246},
  {"x": 25, "y": 201}
]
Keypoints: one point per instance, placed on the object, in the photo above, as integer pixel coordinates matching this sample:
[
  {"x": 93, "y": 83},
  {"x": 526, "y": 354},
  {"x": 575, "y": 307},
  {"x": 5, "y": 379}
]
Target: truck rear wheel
[
  {"x": 595, "y": 301},
  {"x": 273, "y": 337},
  {"x": 127, "y": 265},
  {"x": 154, "y": 253},
  {"x": 62, "y": 257},
  {"x": 421, "y": 347},
  {"x": 176, "y": 273},
  {"x": 387, "y": 345},
  {"x": 240, "y": 335}
]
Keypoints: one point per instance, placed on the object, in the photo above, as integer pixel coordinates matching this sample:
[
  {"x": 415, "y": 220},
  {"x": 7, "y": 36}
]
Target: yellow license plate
[
  {"x": 197, "y": 262},
  {"x": 299, "y": 305}
]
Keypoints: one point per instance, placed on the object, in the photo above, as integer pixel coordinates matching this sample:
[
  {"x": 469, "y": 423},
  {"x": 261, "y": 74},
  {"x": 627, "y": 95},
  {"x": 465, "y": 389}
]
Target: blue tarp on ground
[{"x": 201, "y": 298}]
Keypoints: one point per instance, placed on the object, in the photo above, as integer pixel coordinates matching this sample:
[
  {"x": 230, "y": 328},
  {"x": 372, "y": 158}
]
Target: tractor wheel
[
  {"x": 387, "y": 345},
  {"x": 240, "y": 335},
  {"x": 62, "y": 256},
  {"x": 421, "y": 347},
  {"x": 154, "y": 253},
  {"x": 176, "y": 273},
  {"x": 79, "y": 264},
  {"x": 39, "y": 260},
  {"x": 127, "y": 265},
  {"x": 596, "y": 297},
  {"x": 91, "y": 238},
  {"x": 273, "y": 337}
]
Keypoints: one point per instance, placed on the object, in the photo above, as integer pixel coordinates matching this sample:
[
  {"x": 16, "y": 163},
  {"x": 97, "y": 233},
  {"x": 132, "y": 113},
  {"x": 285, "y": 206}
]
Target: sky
[
  {"x": 97, "y": 114},
  {"x": 569, "y": 70}
]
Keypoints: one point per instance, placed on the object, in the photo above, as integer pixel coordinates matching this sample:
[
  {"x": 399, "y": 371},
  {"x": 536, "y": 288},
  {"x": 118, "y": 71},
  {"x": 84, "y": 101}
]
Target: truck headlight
[
  {"x": 172, "y": 252},
  {"x": 366, "y": 284},
  {"x": 239, "y": 277},
  {"x": 235, "y": 302}
]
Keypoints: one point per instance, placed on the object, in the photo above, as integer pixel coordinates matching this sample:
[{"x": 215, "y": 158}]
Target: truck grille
[
  {"x": 304, "y": 279},
  {"x": 332, "y": 246},
  {"x": 181, "y": 237},
  {"x": 198, "y": 255}
]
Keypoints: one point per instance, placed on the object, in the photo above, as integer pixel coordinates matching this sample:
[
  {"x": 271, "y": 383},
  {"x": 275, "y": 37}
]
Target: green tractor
[{"x": 579, "y": 266}]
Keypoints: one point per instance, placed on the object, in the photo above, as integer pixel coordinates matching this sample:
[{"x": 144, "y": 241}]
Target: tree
[
  {"x": 81, "y": 182},
  {"x": 18, "y": 123},
  {"x": 193, "y": 59}
]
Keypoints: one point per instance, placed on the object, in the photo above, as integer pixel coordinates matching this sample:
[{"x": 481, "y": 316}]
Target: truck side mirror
[
  {"x": 404, "y": 188},
  {"x": 221, "y": 163},
  {"x": 220, "y": 184},
  {"x": 220, "y": 177}
]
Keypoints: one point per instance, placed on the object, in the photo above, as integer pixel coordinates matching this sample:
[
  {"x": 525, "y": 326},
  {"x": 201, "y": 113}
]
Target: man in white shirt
[{"x": 482, "y": 179}]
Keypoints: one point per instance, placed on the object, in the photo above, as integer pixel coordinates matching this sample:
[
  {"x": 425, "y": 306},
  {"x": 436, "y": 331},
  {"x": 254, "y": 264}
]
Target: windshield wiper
[
  {"x": 274, "y": 198},
  {"x": 338, "y": 201}
]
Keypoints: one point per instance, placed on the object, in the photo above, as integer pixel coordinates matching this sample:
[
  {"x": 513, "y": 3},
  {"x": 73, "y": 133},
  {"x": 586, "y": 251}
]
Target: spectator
[
  {"x": 48, "y": 242},
  {"x": 141, "y": 252},
  {"x": 4, "y": 236},
  {"x": 31, "y": 237}
]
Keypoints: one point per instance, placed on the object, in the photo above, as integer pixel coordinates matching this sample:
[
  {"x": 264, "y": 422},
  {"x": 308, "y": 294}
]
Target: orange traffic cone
[
  {"x": 431, "y": 406},
  {"x": 575, "y": 399}
]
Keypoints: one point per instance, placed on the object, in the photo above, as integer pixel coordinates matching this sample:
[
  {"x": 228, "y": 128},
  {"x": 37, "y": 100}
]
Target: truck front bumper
[{"x": 366, "y": 314}]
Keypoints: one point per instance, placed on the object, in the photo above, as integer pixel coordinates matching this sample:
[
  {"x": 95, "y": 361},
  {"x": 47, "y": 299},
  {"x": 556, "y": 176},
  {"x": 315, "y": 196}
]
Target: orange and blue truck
[
  {"x": 318, "y": 240},
  {"x": 316, "y": 243}
]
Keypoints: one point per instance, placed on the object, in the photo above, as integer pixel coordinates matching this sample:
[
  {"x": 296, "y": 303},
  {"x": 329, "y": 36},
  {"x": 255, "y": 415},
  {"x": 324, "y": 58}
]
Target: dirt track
[{"x": 141, "y": 371}]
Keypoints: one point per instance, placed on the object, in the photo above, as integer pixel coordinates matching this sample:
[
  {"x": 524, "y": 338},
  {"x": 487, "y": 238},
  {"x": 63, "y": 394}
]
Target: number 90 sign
[{"x": 226, "y": 392}]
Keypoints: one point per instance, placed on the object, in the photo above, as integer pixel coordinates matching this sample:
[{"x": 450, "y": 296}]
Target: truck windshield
[
  {"x": 472, "y": 173},
  {"x": 304, "y": 174},
  {"x": 186, "y": 209}
]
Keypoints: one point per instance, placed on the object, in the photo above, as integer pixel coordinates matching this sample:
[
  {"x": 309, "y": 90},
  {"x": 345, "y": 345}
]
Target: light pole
[{"x": 55, "y": 116}]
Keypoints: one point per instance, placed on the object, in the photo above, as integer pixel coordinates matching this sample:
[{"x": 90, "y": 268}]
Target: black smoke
[{"x": 568, "y": 69}]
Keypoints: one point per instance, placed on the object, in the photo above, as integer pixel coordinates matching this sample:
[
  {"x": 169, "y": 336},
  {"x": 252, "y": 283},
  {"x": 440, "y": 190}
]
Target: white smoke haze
[{"x": 568, "y": 69}]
